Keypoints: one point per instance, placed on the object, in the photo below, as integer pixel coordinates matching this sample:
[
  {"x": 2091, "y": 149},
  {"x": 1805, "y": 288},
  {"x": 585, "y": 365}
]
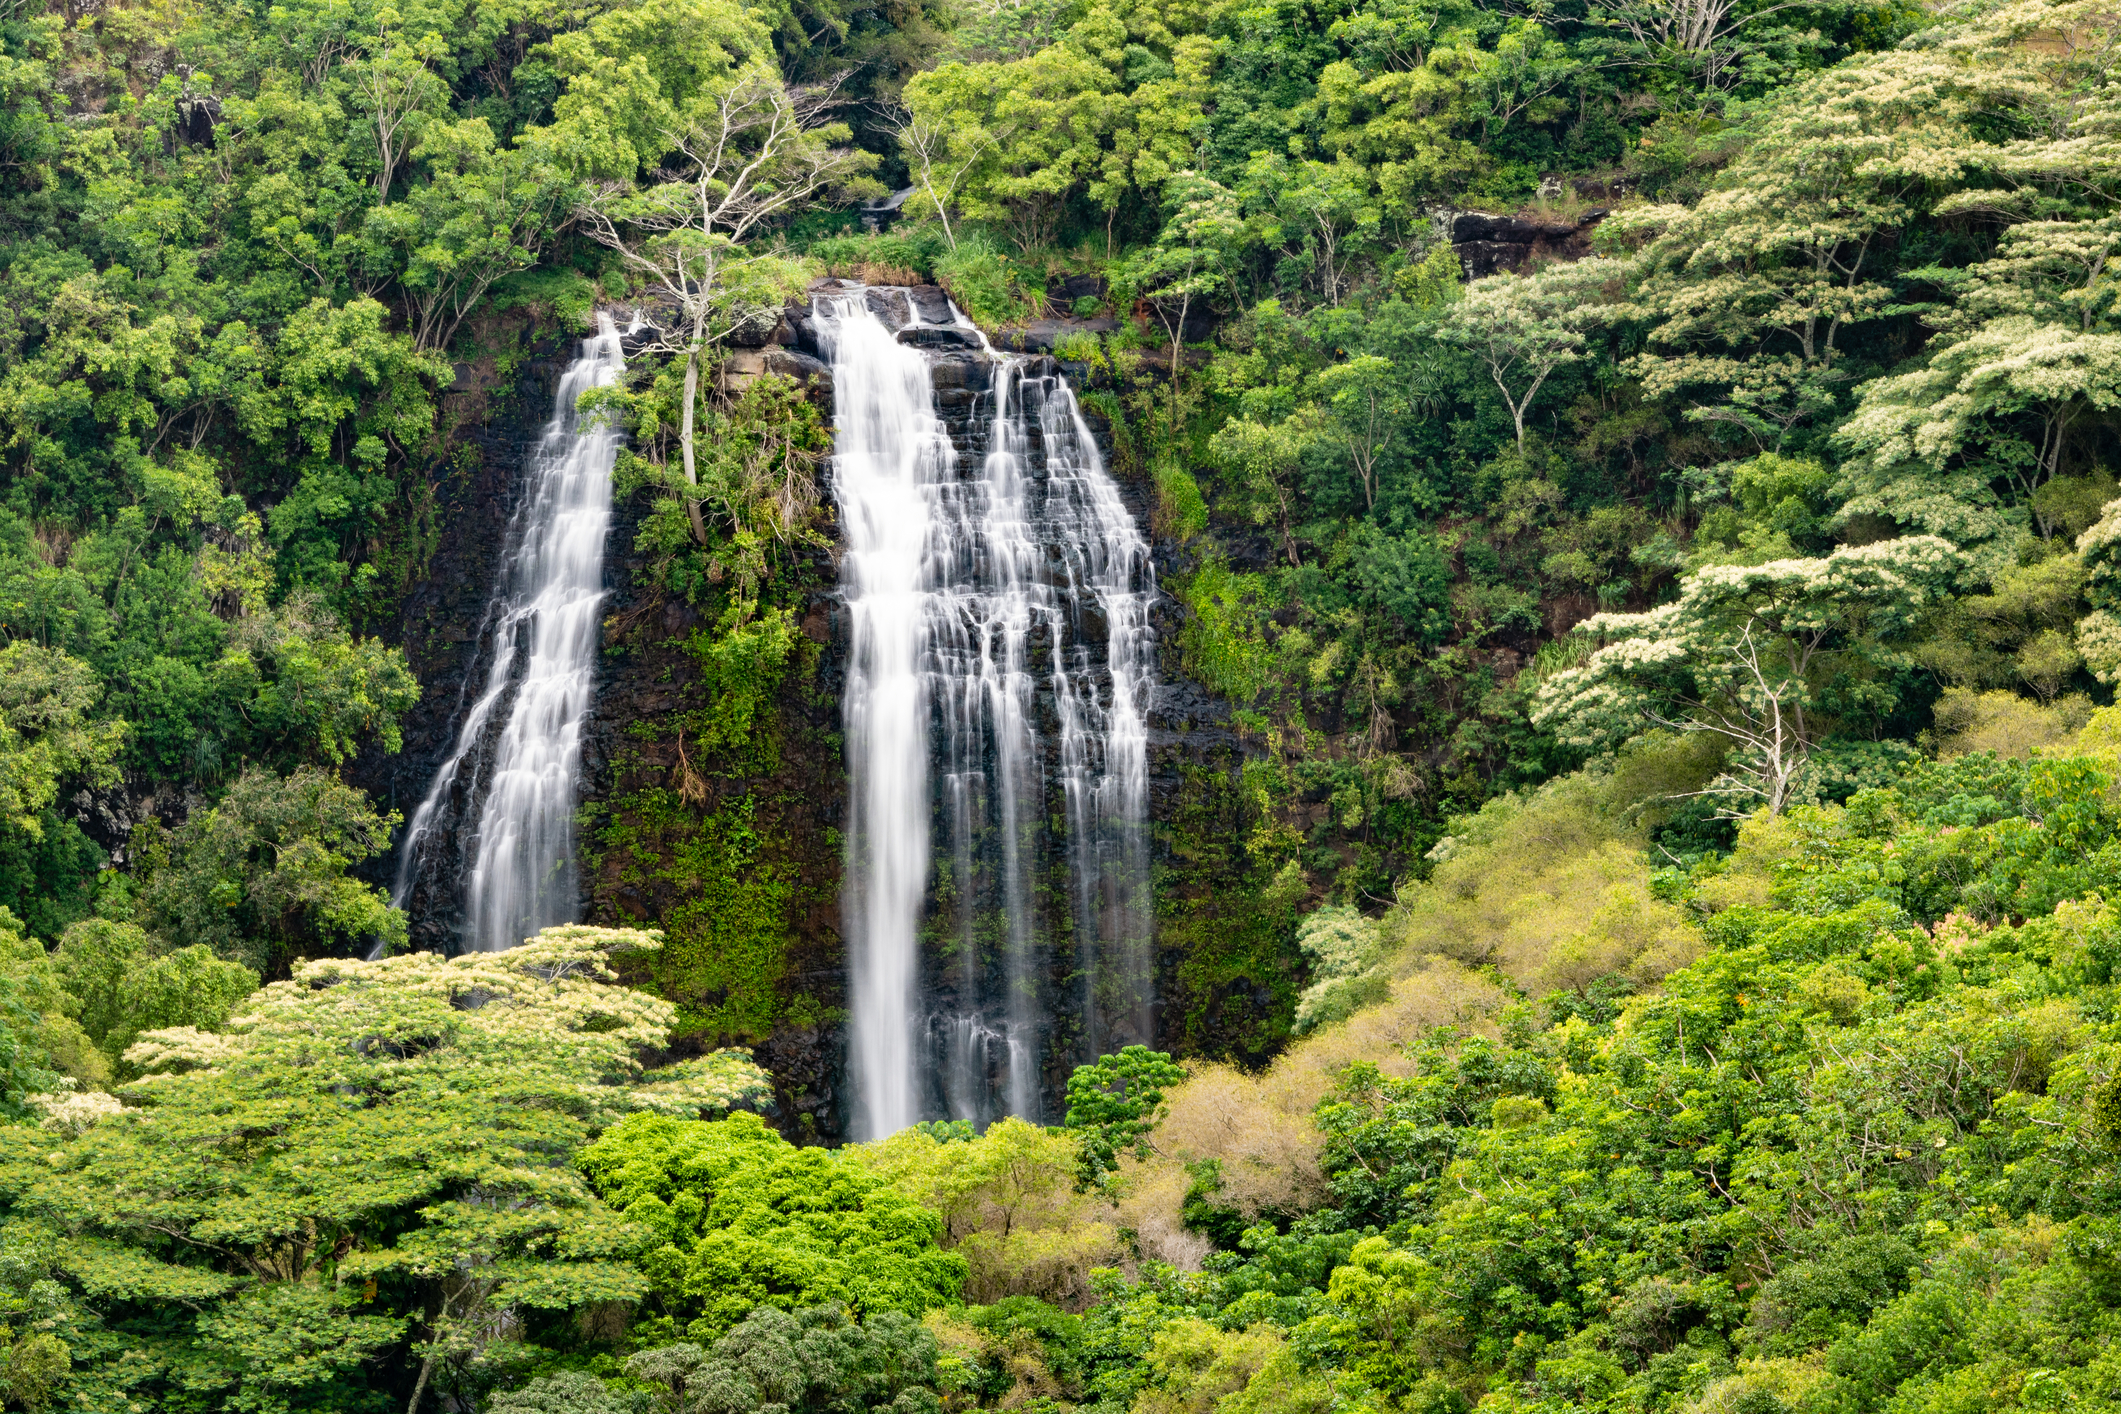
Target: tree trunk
[
  {"x": 427, "y": 1367},
  {"x": 692, "y": 390},
  {"x": 1178, "y": 344}
]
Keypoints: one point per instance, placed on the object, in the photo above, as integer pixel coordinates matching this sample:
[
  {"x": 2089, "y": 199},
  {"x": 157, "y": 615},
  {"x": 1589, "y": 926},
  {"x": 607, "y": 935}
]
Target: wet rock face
[
  {"x": 897, "y": 308},
  {"x": 475, "y": 486},
  {"x": 929, "y": 336},
  {"x": 741, "y": 367},
  {"x": 890, "y": 306},
  {"x": 648, "y": 685},
  {"x": 1488, "y": 244},
  {"x": 933, "y": 304},
  {"x": 1066, "y": 291},
  {"x": 648, "y": 680}
]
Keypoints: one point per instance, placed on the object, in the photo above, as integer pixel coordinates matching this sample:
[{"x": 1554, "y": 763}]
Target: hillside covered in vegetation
[{"x": 1634, "y": 482}]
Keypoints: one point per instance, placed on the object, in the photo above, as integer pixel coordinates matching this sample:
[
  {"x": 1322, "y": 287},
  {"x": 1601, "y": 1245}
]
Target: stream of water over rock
[
  {"x": 499, "y": 814},
  {"x": 996, "y": 903}
]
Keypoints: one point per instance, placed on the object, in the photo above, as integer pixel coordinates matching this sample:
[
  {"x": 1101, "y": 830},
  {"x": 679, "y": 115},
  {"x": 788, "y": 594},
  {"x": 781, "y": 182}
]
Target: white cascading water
[
  {"x": 511, "y": 793},
  {"x": 890, "y": 456},
  {"x": 1000, "y": 667}
]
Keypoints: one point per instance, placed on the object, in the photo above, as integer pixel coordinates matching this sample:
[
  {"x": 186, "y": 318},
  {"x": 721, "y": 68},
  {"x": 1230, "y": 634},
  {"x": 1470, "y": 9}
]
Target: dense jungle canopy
[{"x": 1638, "y": 474}]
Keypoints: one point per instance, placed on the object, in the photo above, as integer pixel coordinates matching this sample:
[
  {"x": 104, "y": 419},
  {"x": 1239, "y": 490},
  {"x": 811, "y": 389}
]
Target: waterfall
[
  {"x": 1000, "y": 666},
  {"x": 504, "y": 799}
]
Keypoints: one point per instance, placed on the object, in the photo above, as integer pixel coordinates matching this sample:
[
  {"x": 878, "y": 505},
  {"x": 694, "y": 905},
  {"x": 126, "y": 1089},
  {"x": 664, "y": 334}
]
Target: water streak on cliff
[
  {"x": 505, "y": 797},
  {"x": 1000, "y": 667}
]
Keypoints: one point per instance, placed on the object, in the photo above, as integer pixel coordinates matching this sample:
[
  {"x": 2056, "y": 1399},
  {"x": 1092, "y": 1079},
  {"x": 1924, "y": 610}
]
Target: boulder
[
  {"x": 891, "y": 306},
  {"x": 1067, "y": 291},
  {"x": 931, "y": 336},
  {"x": 933, "y": 304},
  {"x": 1487, "y": 244},
  {"x": 741, "y": 366}
]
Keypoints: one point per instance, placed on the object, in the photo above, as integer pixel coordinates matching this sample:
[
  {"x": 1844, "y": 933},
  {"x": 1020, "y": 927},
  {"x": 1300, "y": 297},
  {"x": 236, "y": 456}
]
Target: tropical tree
[
  {"x": 47, "y": 733},
  {"x": 750, "y": 152},
  {"x": 375, "y": 1157},
  {"x": 1747, "y": 654},
  {"x": 1114, "y": 1104},
  {"x": 1190, "y": 261},
  {"x": 1366, "y": 398},
  {"x": 819, "y": 1360},
  {"x": 742, "y": 1219},
  {"x": 2017, "y": 385},
  {"x": 262, "y": 875},
  {"x": 1026, "y": 136},
  {"x": 1265, "y": 458},
  {"x": 1522, "y": 329}
]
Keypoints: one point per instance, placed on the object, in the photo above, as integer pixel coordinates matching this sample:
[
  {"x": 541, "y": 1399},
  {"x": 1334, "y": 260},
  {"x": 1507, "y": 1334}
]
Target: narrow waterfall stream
[
  {"x": 495, "y": 832},
  {"x": 996, "y": 904}
]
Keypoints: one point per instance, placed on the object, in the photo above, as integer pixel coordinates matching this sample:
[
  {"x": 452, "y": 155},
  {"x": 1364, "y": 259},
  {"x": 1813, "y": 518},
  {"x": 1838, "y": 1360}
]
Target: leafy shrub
[
  {"x": 127, "y": 982},
  {"x": 985, "y": 283},
  {"x": 814, "y": 1361},
  {"x": 1010, "y": 1206},
  {"x": 742, "y": 1219},
  {"x": 1345, "y": 951},
  {"x": 903, "y": 256},
  {"x": 1550, "y": 887},
  {"x": 1181, "y": 511}
]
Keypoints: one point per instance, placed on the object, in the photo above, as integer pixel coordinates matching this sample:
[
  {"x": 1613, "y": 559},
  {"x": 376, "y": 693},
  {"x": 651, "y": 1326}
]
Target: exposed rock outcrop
[{"x": 1488, "y": 244}]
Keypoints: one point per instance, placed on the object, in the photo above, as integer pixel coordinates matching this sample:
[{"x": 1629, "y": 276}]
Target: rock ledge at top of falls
[{"x": 939, "y": 336}]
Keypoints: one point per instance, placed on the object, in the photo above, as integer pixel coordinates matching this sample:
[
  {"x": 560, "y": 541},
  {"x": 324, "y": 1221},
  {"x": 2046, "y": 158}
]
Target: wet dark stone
[
  {"x": 637, "y": 342},
  {"x": 759, "y": 333},
  {"x": 974, "y": 371},
  {"x": 1488, "y": 244},
  {"x": 804, "y": 329},
  {"x": 933, "y": 304},
  {"x": 891, "y": 306},
  {"x": 929, "y": 336},
  {"x": 1076, "y": 287},
  {"x": 798, "y": 365}
]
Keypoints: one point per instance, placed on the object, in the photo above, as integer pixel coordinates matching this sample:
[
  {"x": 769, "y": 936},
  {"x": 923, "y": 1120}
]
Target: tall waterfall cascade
[
  {"x": 502, "y": 805},
  {"x": 1001, "y": 663}
]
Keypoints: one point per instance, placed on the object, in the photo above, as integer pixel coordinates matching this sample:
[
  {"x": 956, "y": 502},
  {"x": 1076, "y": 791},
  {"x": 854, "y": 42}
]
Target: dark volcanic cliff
[{"x": 736, "y": 853}]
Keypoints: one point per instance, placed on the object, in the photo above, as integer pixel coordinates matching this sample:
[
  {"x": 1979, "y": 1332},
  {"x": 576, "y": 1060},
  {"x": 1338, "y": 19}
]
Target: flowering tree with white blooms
[{"x": 1743, "y": 653}]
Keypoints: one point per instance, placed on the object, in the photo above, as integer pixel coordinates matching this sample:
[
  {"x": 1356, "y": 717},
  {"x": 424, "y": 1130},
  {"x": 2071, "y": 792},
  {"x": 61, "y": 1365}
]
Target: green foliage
[
  {"x": 1223, "y": 646},
  {"x": 907, "y": 251},
  {"x": 1343, "y": 948},
  {"x": 422, "y": 1117},
  {"x": 45, "y": 731},
  {"x": 813, "y": 1361},
  {"x": 26, "y": 1067},
  {"x": 984, "y": 283},
  {"x": 741, "y": 1219},
  {"x": 125, "y": 983},
  {"x": 262, "y": 875},
  {"x": 1113, "y": 1104},
  {"x": 1181, "y": 510},
  {"x": 1845, "y": 1159},
  {"x": 727, "y": 932},
  {"x": 741, "y": 665}
]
